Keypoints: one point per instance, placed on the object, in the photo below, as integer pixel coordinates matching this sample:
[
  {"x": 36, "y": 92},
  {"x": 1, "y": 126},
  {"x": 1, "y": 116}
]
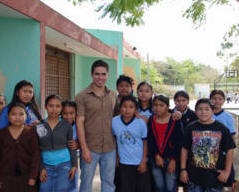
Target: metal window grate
[{"x": 57, "y": 73}]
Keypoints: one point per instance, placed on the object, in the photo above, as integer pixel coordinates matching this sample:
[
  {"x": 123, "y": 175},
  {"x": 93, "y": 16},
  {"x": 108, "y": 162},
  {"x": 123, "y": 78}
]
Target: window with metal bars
[{"x": 57, "y": 72}]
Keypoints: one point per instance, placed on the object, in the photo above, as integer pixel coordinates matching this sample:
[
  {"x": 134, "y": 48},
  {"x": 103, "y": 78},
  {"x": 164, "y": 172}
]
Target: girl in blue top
[
  {"x": 131, "y": 134},
  {"x": 23, "y": 93},
  {"x": 145, "y": 93},
  {"x": 59, "y": 162},
  {"x": 69, "y": 109}
]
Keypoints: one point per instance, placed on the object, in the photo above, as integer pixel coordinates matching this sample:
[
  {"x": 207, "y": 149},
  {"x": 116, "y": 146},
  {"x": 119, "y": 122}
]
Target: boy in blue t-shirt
[
  {"x": 217, "y": 98},
  {"x": 131, "y": 134}
]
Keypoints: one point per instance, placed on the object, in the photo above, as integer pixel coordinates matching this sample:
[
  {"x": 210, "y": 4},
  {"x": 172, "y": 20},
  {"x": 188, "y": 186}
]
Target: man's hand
[{"x": 86, "y": 154}]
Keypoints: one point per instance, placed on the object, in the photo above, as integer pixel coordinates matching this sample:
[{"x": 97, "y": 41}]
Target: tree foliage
[
  {"x": 172, "y": 72},
  {"x": 132, "y": 11}
]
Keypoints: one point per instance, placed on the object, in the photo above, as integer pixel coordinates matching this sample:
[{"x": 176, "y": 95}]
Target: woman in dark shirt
[{"x": 19, "y": 153}]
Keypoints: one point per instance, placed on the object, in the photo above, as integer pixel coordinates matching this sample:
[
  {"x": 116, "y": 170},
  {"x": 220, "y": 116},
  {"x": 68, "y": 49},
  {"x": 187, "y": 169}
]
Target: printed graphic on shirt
[
  {"x": 127, "y": 138},
  {"x": 31, "y": 116},
  {"x": 205, "y": 148},
  {"x": 41, "y": 130}
]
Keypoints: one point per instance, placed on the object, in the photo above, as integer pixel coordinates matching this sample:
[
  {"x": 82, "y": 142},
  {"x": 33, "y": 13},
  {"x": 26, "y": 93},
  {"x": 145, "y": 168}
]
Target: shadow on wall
[
  {"x": 129, "y": 71},
  {"x": 2, "y": 82}
]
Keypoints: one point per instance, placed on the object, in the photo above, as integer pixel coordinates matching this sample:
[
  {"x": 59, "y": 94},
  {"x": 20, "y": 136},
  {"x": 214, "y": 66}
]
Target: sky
[{"x": 165, "y": 33}]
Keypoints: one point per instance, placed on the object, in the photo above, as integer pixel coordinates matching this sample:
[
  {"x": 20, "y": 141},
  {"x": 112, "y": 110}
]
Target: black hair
[
  {"x": 217, "y": 92},
  {"x": 129, "y": 98},
  {"x": 150, "y": 101},
  {"x": 206, "y": 101},
  {"x": 181, "y": 94},
  {"x": 32, "y": 104},
  {"x": 4, "y": 98},
  {"x": 68, "y": 103},
  {"x": 52, "y": 96},
  {"x": 16, "y": 104},
  {"x": 99, "y": 63},
  {"x": 124, "y": 78},
  {"x": 162, "y": 98}
]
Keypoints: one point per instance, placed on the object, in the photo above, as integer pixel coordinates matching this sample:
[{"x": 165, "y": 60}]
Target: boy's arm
[
  {"x": 224, "y": 174},
  {"x": 183, "y": 164},
  {"x": 86, "y": 154},
  {"x": 183, "y": 158},
  {"x": 229, "y": 160}
]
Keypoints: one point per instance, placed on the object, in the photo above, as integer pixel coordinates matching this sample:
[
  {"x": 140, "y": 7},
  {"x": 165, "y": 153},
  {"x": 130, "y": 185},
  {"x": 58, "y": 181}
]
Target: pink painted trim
[
  {"x": 130, "y": 49},
  {"x": 42, "y": 13},
  {"x": 43, "y": 67}
]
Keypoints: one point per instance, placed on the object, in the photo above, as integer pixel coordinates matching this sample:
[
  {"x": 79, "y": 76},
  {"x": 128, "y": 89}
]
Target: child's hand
[
  {"x": 35, "y": 122},
  {"x": 141, "y": 117},
  {"x": 142, "y": 167},
  {"x": 159, "y": 161},
  {"x": 184, "y": 176},
  {"x": 223, "y": 176},
  {"x": 43, "y": 175},
  {"x": 137, "y": 114},
  {"x": 177, "y": 115},
  {"x": 171, "y": 166},
  {"x": 72, "y": 172},
  {"x": 73, "y": 144},
  {"x": 31, "y": 182},
  {"x": 234, "y": 186}
]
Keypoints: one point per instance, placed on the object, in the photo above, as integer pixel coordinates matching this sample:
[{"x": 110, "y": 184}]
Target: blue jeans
[
  {"x": 164, "y": 181},
  {"x": 191, "y": 187},
  {"x": 57, "y": 178},
  {"x": 107, "y": 171}
]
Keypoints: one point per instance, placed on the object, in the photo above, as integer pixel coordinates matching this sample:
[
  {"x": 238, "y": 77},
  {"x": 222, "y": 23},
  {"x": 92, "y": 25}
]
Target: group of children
[
  {"x": 158, "y": 148},
  {"x": 29, "y": 144}
]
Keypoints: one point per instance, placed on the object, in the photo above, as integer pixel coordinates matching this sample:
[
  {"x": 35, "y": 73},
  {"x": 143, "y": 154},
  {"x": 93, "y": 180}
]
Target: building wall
[
  {"x": 19, "y": 54},
  {"x": 111, "y": 38},
  {"x": 132, "y": 69},
  {"x": 83, "y": 72}
]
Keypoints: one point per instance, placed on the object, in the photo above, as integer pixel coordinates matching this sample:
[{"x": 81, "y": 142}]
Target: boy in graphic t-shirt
[{"x": 208, "y": 147}]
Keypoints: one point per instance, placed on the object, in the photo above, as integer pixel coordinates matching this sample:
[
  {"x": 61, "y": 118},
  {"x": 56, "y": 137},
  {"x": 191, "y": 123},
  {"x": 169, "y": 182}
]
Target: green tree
[
  {"x": 185, "y": 73},
  {"x": 132, "y": 11},
  {"x": 154, "y": 76}
]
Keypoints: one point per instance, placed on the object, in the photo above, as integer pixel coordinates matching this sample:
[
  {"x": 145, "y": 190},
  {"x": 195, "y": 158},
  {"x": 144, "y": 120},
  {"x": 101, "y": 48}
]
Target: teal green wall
[
  {"x": 19, "y": 53},
  {"x": 112, "y": 38},
  {"x": 83, "y": 72}
]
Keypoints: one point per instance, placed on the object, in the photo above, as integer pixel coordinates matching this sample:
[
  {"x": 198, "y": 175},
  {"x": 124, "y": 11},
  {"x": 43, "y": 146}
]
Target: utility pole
[{"x": 148, "y": 68}]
